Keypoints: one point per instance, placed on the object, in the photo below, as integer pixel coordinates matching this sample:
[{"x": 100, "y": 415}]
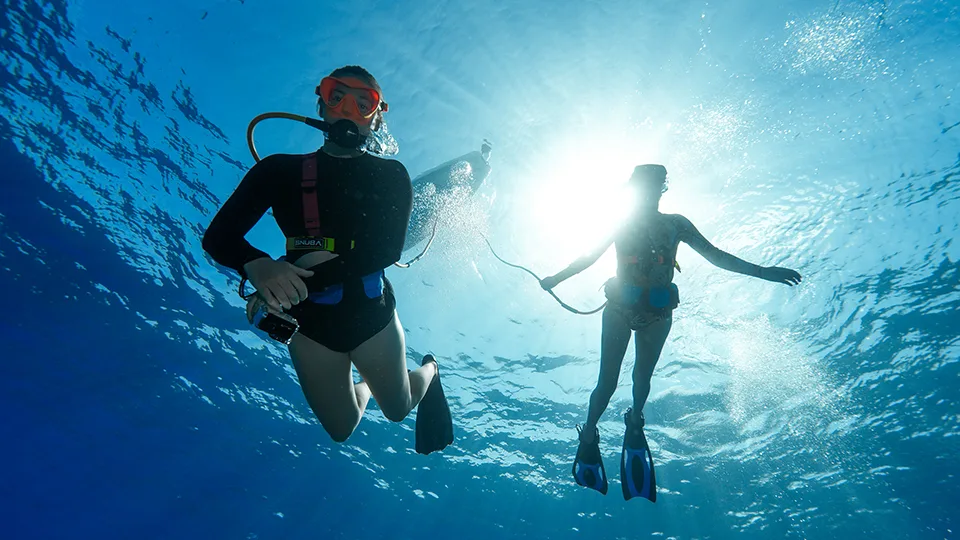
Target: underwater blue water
[{"x": 821, "y": 136}]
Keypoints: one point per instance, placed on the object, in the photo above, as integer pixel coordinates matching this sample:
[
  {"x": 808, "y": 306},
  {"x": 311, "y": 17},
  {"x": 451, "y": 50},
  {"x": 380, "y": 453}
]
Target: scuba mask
[{"x": 353, "y": 99}]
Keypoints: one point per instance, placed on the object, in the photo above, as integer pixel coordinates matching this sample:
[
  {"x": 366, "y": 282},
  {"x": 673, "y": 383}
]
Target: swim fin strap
[
  {"x": 637, "y": 475},
  {"x": 434, "y": 423}
]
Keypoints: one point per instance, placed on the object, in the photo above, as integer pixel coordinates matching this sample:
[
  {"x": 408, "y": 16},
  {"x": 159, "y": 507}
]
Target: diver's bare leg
[
  {"x": 649, "y": 342},
  {"x": 326, "y": 378},
  {"x": 614, "y": 338},
  {"x": 382, "y": 361}
]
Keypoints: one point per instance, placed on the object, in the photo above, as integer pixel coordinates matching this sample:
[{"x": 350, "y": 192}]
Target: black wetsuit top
[{"x": 365, "y": 199}]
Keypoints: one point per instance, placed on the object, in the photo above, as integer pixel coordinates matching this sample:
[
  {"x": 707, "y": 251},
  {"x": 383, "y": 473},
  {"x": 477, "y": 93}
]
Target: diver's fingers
[
  {"x": 270, "y": 298},
  {"x": 301, "y": 287},
  {"x": 281, "y": 296},
  {"x": 280, "y": 291},
  {"x": 292, "y": 291},
  {"x": 781, "y": 275},
  {"x": 253, "y": 304}
]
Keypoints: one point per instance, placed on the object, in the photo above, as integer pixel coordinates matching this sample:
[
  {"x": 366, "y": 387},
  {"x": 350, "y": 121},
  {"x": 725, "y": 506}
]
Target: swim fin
[
  {"x": 434, "y": 424},
  {"x": 588, "y": 468},
  {"x": 636, "y": 462}
]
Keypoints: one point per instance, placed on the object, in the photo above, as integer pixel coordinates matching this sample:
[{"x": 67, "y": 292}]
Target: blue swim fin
[
  {"x": 588, "y": 468},
  {"x": 636, "y": 462},
  {"x": 434, "y": 424}
]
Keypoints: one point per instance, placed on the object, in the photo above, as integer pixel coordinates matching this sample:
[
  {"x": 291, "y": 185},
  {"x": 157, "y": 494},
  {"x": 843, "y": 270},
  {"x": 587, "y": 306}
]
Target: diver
[
  {"x": 641, "y": 298},
  {"x": 345, "y": 213}
]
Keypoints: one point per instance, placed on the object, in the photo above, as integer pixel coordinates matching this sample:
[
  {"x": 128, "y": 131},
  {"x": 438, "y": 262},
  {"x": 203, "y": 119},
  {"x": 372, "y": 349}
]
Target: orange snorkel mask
[{"x": 351, "y": 98}]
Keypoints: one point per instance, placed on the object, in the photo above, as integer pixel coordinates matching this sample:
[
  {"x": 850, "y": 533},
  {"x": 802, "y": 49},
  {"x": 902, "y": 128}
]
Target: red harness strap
[{"x": 311, "y": 209}]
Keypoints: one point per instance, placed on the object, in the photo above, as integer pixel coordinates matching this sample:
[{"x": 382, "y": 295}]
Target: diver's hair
[
  {"x": 358, "y": 72},
  {"x": 650, "y": 173}
]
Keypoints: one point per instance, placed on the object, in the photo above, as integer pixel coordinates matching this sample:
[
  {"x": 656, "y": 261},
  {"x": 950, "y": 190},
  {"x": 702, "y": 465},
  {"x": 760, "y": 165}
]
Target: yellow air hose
[{"x": 288, "y": 116}]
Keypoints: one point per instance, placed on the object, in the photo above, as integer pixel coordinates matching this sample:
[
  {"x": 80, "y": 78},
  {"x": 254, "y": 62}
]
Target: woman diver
[
  {"x": 345, "y": 213},
  {"x": 641, "y": 298}
]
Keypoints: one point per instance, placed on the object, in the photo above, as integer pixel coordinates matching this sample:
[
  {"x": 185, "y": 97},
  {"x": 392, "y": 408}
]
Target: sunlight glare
[{"x": 581, "y": 197}]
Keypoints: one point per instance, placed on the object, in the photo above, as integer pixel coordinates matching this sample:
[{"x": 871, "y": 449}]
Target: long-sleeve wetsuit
[{"x": 364, "y": 200}]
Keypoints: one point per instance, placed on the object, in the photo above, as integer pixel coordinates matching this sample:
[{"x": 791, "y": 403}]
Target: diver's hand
[
  {"x": 780, "y": 275},
  {"x": 254, "y": 304},
  {"x": 549, "y": 282},
  {"x": 278, "y": 282}
]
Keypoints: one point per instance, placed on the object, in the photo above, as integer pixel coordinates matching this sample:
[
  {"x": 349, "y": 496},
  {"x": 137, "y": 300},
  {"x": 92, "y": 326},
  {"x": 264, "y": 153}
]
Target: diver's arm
[
  {"x": 382, "y": 242},
  {"x": 714, "y": 255},
  {"x": 721, "y": 259},
  {"x": 224, "y": 238},
  {"x": 577, "y": 266}
]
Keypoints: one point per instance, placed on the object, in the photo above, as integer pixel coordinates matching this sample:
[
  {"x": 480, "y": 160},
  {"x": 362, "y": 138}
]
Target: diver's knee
[
  {"x": 396, "y": 414},
  {"x": 339, "y": 435},
  {"x": 340, "y": 429},
  {"x": 605, "y": 390},
  {"x": 396, "y": 417}
]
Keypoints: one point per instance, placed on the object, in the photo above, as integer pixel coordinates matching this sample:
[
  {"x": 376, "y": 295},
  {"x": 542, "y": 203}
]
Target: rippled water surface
[{"x": 821, "y": 136}]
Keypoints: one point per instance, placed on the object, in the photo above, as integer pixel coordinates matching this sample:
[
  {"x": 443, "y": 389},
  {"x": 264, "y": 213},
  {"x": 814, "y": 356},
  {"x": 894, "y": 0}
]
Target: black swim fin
[
  {"x": 434, "y": 423},
  {"x": 588, "y": 468},
  {"x": 636, "y": 462}
]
